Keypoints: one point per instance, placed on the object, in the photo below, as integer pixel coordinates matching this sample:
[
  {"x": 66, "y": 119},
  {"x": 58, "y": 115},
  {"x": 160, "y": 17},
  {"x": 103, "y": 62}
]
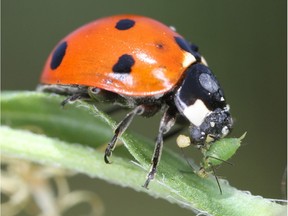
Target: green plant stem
[{"x": 188, "y": 190}]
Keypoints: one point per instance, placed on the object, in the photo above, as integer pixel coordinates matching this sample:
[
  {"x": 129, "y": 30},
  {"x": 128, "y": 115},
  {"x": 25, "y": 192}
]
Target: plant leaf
[{"x": 80, "y": 131}]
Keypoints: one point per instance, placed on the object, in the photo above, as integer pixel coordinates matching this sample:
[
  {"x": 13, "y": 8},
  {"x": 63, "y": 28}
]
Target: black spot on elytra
[
  {"x": 183, "y": 44},
  {"x": 194, "y": 47},
  {"x": 58, "y": 55},
  {"x": 191, "y": 48},
  {"x": 125, "y": 24},
  {"x": 124, "y": 64}
]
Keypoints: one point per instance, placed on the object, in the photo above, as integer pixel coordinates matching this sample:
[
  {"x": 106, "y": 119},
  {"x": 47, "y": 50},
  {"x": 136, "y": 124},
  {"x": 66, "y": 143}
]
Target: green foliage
[{"x": 74, "y": 138}]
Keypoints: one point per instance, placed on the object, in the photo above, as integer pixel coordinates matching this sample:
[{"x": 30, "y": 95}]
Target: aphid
[{"x": 214, "y": 153}]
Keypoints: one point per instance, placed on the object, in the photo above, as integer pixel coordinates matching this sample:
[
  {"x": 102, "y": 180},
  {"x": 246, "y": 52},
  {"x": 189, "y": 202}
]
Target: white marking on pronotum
[
  {"x": 188, "y": 59},
  {"x": 196, "y": 112}
]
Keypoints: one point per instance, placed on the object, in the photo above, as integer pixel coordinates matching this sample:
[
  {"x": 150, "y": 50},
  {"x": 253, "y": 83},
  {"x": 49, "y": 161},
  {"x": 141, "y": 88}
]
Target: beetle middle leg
[{"x": 122, "y": 126}]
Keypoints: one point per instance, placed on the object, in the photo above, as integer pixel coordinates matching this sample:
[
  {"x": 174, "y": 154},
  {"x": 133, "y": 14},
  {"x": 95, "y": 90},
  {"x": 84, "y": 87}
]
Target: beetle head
[{"x": 201, "y": 100}]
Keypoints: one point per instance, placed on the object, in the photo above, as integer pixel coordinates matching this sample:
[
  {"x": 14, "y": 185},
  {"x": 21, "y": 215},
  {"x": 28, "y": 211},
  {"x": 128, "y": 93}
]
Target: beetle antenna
[
  {"x": 217, "y": 180},
  {"x": 186, "y": 159},
  {"x": 224, "y": 161}
]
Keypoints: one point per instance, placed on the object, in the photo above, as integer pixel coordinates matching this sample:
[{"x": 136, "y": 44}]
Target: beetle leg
[
  {"x": 167, "y": 121},
  {"x": 74, "y": 97},
  {"x": 173, "y": 132},
  {"x": 122, "y": 126},
  {"x": 181, "y": 122}
]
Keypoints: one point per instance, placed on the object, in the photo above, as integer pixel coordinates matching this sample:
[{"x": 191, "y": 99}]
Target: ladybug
[{"x": 142, "y": 64}]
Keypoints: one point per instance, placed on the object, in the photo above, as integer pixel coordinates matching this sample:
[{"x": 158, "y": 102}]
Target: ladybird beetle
[{"x": 140, "y": 63}]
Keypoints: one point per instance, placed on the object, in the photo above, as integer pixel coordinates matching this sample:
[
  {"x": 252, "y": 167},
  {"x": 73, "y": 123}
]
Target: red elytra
[{"x": 95, "y": 48}]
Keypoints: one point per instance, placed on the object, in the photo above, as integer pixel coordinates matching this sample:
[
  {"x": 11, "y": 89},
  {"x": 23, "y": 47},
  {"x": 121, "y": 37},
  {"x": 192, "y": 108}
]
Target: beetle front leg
[{"x": 167, "y": 121}]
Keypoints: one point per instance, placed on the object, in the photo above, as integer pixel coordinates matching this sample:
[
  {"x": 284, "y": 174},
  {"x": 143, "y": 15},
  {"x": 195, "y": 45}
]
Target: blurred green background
[{"x": 244, "y": 43}]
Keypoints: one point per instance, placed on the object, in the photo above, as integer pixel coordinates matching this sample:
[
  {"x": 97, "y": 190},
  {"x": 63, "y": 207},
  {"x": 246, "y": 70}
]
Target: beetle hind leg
[
  {"x": 73, "y": 92},
  {"x": 75, "y": 97}
]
